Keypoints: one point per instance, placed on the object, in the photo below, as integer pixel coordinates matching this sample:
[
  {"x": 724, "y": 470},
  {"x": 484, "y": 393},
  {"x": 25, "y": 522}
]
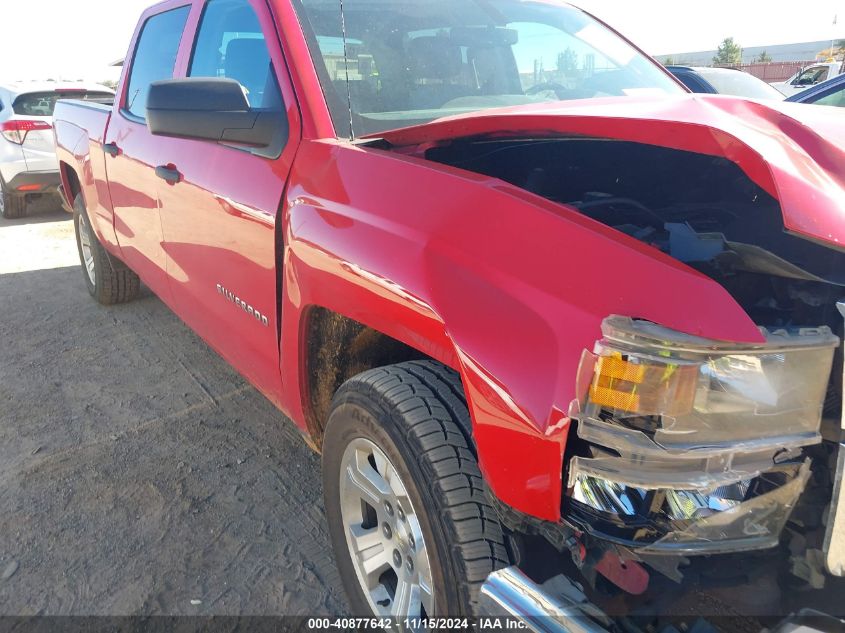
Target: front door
[{"x": 219, "y": 220}]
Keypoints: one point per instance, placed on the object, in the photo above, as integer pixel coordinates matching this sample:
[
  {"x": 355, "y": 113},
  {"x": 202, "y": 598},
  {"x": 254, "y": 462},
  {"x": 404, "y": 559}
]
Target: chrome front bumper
[
  {"x": 559, "y": 606},
  {"x": 834, "y": 542},
  {"x": 834, "y": 545},
  {"x": 556, "y": 606}
]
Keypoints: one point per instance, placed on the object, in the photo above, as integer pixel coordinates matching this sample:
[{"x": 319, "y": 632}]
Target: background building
[{"x": 804, "y": 51}]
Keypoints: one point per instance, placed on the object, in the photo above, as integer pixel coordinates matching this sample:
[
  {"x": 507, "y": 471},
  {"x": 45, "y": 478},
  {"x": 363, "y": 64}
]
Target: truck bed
[
  {"x": 74, "y": 120},
  {"x": 80, "y": 128}
]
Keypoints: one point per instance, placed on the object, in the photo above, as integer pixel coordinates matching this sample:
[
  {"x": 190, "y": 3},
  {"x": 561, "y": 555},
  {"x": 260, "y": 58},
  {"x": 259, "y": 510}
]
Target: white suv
[{"x": 28, "y": 165}]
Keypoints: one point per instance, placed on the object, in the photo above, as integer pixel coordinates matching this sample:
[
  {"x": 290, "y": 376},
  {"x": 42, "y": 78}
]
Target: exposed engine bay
[{"x": 733, "y": 492}]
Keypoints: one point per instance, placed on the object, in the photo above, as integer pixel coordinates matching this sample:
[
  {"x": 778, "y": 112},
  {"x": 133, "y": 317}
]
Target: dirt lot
[{"x": 138, "y": 473}]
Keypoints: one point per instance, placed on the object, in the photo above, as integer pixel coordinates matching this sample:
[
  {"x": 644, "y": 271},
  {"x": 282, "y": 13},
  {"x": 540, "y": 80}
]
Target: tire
[
  {"x": 415, "y": 413},
  {"x": 108, "y": 280},
  {"x": 12, "y": 206}
]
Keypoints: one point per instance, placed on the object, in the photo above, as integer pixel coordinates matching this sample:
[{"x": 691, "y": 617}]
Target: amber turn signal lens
[{"x": 643, "y": 388}]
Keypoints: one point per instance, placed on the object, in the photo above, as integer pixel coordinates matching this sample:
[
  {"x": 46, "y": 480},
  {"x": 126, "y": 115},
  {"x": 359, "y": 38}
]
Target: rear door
[
  {"x": 133, "y": 153},
  {"x": 220, "y": 220}
]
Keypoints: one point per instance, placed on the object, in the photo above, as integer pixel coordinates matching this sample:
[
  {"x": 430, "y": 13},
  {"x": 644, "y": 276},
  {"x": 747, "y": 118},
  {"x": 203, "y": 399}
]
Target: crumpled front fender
[{"x": 506, "y": 287}]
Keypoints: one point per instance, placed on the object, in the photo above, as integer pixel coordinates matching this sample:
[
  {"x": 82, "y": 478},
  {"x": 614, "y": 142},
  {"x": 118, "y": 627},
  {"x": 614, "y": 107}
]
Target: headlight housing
[
  {"x": 678, "y": 430},
  {"x": 690, "y": 393}
]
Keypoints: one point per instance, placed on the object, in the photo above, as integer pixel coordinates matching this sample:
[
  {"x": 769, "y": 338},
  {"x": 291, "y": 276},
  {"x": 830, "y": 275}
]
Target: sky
[
  {"x": 663, "y": 27},
  {"x": 76, "y": 39}
]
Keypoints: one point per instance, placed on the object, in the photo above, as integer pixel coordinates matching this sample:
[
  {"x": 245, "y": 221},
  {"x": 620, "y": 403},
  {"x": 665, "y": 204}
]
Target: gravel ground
[{"x": 139, "y": 474}]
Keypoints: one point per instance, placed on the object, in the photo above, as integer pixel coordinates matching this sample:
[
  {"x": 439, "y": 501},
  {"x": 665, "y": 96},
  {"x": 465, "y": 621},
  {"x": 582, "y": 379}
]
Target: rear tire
[
  {"x": 406, "y": 426},
  {"x": 12, "y": 206},
  {"x": 108, "y": 280}
]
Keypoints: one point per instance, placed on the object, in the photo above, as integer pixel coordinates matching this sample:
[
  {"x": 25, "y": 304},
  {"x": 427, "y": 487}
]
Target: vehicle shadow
[
  {"x": 39, "y": 215},
  {"x": 139, "y": 472}
]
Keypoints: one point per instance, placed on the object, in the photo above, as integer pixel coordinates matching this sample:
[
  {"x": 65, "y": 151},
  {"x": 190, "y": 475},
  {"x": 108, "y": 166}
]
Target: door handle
[
  {"x": 169, "y": 174},
  {"x": 111, "y": 149}
]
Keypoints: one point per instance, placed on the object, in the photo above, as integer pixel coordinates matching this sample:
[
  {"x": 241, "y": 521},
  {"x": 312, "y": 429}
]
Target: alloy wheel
[
  {"x": 86, "y": 245},
  {"x": 383, "y": 534}
]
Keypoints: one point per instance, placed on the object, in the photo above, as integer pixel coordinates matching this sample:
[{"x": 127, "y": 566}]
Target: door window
[
  {"x": 812, "y": 76},
  {"x": 231, "y": 44},
  {"x": 155, "y": 56}
]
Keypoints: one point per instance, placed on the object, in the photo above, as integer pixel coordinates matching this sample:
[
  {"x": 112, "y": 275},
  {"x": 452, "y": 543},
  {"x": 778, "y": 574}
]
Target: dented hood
[{"x": 793, "y": 151}]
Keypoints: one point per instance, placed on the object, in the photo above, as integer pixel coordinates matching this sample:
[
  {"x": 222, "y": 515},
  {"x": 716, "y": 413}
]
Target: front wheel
[{"x": 409, "y": 519}]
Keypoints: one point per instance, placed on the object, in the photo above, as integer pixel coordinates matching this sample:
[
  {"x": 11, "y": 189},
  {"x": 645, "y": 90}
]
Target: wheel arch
[
  {"x": 336, "y": 348},
  {"x": 71, "y": 186}
]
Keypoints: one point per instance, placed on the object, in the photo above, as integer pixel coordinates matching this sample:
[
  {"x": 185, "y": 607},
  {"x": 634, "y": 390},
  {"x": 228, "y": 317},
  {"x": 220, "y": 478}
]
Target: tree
[
  {"x": 729, "y": 53},
  {"x": 669, "y": 61},
  {"x": 567, "y": 61},
  {"x": 764, "y": 58}
]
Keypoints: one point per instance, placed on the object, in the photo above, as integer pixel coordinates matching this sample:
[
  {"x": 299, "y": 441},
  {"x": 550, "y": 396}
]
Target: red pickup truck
[{"x": 566, "y": 336}]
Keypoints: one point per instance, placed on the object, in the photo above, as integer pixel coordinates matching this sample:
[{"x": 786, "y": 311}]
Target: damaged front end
[
  {"x": 685, "y": 445},
  {"x": 692, "y": 446},
  {"x": 680, "y": 445}
]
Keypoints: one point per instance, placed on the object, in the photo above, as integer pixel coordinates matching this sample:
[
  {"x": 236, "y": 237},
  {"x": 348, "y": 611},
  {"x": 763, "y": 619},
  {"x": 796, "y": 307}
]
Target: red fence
[{"x": 773, "y": 71}]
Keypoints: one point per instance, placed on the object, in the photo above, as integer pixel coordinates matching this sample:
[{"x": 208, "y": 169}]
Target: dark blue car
[
  {"x": 830, "y": 92},
  {"x": 724, "y": 81}
]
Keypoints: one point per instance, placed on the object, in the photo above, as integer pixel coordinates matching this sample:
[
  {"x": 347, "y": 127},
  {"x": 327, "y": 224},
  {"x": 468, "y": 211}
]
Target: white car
[
  {"x": 808, "y": 77},
  {"x": 28, "y": 165}
]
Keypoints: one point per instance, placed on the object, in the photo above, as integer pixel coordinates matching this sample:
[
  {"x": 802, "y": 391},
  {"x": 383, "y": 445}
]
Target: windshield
[
  {"x": 43, "y": 103},
  {"x": 740, "y": 84},
  {"x": 410, "y": 62}
]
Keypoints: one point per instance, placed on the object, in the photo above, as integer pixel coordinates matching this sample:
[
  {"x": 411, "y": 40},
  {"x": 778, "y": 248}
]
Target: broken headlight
[{"x": 681, "y": 433}]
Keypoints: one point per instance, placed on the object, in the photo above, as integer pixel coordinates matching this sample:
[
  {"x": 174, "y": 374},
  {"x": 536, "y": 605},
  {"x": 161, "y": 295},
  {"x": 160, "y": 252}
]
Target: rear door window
[
  {"x": 43, "y": 103},
  {"x": 231, "y": 44},
  {"x": 155, "y": 56}
]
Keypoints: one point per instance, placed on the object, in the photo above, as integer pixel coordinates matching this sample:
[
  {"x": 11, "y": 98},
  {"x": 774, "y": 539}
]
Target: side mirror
[{"x": 212, "y": 110}]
